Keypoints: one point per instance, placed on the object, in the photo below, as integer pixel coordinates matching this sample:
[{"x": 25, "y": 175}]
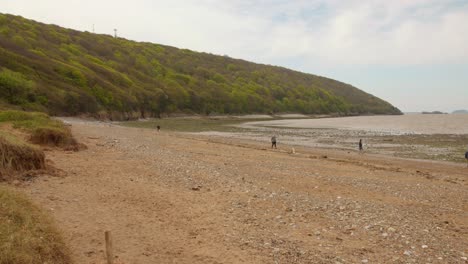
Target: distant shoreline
[{"x": 446, "y": 144}]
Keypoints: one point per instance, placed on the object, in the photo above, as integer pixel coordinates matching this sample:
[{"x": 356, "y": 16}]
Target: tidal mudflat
[{"x": 433, "y": 137}]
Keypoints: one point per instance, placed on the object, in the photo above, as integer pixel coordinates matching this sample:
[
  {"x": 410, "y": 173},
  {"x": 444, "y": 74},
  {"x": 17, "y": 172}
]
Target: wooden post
[{"x": 109, "y": 253}]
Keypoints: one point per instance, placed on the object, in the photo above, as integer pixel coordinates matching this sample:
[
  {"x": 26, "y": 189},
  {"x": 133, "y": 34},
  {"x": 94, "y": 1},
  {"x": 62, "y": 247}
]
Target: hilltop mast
[{"x": 115, "y": 33}]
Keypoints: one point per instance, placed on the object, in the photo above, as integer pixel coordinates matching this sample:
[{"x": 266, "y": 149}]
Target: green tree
[{"x": 15, "y": 87}]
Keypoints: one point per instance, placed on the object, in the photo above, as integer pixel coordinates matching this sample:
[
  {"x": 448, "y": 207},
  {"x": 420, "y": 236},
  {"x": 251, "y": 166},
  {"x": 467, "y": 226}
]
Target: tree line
[{"x": 66, "y": 72}]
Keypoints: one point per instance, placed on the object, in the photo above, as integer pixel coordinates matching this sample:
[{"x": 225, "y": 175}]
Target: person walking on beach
[
  {"x": 158, "y": 128},
  {"x": 360, "y": 145},
  {"x": 273, "y": 141},
  {"x": 466, "y": 157}
]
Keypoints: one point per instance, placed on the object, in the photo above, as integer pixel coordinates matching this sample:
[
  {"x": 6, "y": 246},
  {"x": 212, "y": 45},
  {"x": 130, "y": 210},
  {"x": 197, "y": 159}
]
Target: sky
[{"x": 411, "y": 53}]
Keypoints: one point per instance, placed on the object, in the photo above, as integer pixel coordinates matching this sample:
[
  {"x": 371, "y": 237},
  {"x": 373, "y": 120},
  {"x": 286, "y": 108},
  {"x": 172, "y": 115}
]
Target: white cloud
[
  {"x": 381, "y": 33},
  {"x": 371, "y": 44}
]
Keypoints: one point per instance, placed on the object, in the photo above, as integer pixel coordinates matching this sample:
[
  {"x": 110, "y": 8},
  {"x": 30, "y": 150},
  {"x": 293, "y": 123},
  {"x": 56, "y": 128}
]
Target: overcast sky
[{"x": 412, "y": 53}]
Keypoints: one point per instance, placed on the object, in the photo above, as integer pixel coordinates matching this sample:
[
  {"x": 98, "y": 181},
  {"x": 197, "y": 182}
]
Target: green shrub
[{"x": 14, "y": 87}]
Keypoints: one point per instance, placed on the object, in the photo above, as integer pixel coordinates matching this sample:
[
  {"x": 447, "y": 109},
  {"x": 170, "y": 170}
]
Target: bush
[{"x": 14, "y": 87}]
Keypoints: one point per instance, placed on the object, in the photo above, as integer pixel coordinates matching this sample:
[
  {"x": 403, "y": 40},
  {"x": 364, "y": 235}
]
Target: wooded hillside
[{"x": 67, "y": 72}]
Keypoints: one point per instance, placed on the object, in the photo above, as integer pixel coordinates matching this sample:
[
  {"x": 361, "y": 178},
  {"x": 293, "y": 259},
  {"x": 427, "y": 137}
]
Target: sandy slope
[{"x": 172, "y": 198}]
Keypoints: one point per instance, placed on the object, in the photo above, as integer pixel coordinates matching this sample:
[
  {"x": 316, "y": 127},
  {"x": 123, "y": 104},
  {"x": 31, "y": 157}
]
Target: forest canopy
[{"x": 67, "y": 72}]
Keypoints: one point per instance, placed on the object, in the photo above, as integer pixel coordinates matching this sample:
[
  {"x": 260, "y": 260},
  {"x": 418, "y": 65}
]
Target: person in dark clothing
[
  {"x": 273, "y": 141},
  {"x": 158, "y": 128},
  {"x": 466, "y": 157},
  {"x": 360, "y": 145}
]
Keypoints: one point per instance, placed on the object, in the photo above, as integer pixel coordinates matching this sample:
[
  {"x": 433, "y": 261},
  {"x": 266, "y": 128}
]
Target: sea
[{"x": 394, "y": 124}]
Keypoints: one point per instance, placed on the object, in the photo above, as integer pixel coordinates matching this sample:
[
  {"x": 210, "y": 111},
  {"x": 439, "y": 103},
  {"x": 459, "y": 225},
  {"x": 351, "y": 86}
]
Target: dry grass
[
  {"x": 17, "y": 155},
  {"x": 53, "y": 136},
  {"x": 27, "y": 235},
  {"x": 42, "y": 129}
]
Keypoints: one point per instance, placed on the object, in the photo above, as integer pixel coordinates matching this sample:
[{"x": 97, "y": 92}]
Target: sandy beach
[{"x": 181, "y": 198}]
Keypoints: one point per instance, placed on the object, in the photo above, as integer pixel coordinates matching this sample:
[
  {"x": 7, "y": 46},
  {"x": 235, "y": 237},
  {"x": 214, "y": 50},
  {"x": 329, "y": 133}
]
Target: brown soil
[{"x": 175, "y": 198}]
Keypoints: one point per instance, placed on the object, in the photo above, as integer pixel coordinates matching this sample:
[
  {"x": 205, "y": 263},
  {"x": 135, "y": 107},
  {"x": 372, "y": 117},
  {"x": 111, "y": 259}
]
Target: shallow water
[
  {"x": 436, "y": 137},
  {"x": 397, "y": 125}
]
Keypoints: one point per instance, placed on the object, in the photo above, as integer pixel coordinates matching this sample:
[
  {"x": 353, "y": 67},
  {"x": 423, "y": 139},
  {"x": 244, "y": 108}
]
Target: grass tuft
[
  {"x": 17, "y": 155},
  {"x": 53, "y": 136},
  {"x": 27, "y": 235},
  {"x": 42, "y": 128}
]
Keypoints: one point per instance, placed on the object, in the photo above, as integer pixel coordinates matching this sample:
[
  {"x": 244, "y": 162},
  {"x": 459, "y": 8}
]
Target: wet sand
[{"x": 431, "y": 137}]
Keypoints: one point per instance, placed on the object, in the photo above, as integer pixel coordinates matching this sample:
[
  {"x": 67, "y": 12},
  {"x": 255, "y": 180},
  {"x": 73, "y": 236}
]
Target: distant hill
[
  {"x": 68, "y": 72},
  {"x": 460, "y": 112}
]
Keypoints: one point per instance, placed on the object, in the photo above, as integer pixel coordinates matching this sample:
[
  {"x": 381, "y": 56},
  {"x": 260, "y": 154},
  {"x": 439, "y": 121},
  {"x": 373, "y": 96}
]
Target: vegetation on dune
[
  {"x": 27, "y": 235},
  {"x": 42, "y": 129},
  {"x": 17, "y": 155},
  {"x": 66, "y": 72}
]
